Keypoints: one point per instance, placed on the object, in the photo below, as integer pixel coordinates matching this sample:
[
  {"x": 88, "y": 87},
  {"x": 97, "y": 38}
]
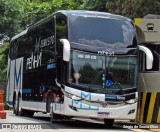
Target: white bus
[{"x": 76, "y": 64}]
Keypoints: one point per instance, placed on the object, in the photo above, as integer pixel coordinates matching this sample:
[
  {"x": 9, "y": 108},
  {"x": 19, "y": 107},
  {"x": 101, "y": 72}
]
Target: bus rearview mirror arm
[
  {"x": 66, "y": 49},
  {"x": 149, "y": 56}
]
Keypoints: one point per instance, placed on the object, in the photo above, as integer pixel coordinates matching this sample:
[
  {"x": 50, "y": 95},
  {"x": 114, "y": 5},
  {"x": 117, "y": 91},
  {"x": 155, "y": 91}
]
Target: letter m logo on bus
[
  {"x": 86, "y": 95},
  {"x": 18, "y": 69},
  {"x": 77, "y": 104}
]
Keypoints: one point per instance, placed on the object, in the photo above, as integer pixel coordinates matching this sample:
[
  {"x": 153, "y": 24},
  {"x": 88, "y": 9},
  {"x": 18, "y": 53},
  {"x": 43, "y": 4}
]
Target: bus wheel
[
  {"x": 30, "y": 113},
  {"x": 14, "y": 105},
  {"x": 54, "y": 117},
  {"x": 20, "y": 111},
  {"x": 48, "y": 102},
  {"x": 108, "y": 122}
]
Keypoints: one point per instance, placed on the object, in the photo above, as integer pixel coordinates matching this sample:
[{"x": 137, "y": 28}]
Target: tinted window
[
  {"x": 61, "y": 27},
  {"x": 101, "y": 31},
  {"x": 13, "y": 49},
  {"x": 25, "y": 47},
  {"x": 59, "y": 68},
  {"x": 43, "y": 36},
  {"x": 61, "y": 33}
]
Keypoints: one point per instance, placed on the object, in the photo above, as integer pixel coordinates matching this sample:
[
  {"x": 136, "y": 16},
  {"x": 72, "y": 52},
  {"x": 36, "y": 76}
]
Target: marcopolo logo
[{"x": 107, "y": 52}]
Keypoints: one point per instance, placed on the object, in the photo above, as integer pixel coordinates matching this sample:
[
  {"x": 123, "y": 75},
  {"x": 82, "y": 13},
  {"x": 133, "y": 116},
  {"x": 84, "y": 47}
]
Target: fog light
[
  {"x": 131, "y": 111},
  {"x": 73, "y": 108}
]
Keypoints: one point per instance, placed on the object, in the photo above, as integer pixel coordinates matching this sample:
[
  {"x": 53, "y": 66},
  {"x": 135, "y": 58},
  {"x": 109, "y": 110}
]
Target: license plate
[{"x": 103, "y": 114}]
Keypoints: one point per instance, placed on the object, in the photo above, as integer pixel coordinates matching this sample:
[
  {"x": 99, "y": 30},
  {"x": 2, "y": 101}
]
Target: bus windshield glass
[
  {"x": 109, "y": 72},
  {"x": 85, "y": 67},
  {"x": 121, "y": 72},
  {"x": 101, "y": 31}
]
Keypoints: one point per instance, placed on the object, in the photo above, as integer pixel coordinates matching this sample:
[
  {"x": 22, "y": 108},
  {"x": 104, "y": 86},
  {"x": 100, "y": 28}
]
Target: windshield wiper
[
  {"x": 94, "y": 79},
  {"x": 120, "y": 91}
]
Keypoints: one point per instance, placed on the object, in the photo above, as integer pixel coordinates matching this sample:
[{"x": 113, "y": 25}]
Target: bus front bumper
[{"x": 79, "y": 109}]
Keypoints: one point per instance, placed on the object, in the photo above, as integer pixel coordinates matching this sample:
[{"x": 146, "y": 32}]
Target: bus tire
[
  {"x": 20, "y": 111},
  {"x": 48, "y": 102},
  {"x": 108, "y": 123},
  {"x": 54, "y": 117},
  {"x": 30, "y": 113},
  {"x": 14, "y": 104}
]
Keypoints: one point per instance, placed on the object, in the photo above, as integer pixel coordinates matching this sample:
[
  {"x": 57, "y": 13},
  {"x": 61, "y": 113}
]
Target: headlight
[
  {"x": 71, "y": 96},
  {"x": 75, "y": 97},
  {"x": 131, "y": 101}
]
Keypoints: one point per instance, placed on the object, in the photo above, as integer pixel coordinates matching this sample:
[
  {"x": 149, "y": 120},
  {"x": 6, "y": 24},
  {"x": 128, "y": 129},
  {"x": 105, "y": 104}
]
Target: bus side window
[
  {"x": 13, "y": 49},
  {"x": 61, "y": 33},
  {"x": 142, "y": 61},
  {"x": 61, "y": 27},
  {"x": 59, "y": 68},
  {"x": 24, "y": 47}
]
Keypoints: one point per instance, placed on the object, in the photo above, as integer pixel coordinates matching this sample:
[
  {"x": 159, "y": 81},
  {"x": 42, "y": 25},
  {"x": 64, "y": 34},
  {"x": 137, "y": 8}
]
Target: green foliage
[
  {"x": 37, "y": 10},
  {"x": 98, "y": 5},
  {"x": 10, "y": 17},
  {"x": 144, "y": 7},
  {"x": 133, "y": 8},
  {"x": 3, "y": 62}
]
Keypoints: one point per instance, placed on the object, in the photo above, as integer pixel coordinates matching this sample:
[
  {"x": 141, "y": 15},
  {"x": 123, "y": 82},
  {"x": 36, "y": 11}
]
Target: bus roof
[
  {"x": 20, "y": 34},
  {"x": 90, "y": 13},
  {"x": 70, "y": 13}
]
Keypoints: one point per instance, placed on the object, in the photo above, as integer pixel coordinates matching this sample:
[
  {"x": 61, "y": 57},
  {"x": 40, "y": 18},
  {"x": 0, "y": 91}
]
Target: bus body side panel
[
  {"x": 146, "y": 83},
  {"x": 15, "y": 78}
]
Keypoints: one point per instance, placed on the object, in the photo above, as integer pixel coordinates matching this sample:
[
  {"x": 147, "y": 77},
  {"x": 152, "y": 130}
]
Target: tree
[
  {"x": 133, "y": 8},
  {"x": 10, "y": 15},
  {"x": 3, "y": 62},
  {"x": 36, "y": 10},
  {"x": 145, "y": 7}
]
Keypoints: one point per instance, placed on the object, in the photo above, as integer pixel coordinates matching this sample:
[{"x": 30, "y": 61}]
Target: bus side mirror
[
  {"x": 149, "y": 56},
  {"x": 66, "y": 49}
]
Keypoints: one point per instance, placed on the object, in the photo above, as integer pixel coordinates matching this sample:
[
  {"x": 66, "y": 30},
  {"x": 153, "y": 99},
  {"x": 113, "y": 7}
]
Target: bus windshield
[
  {"x": 100, "y": 31},
  {"x": 84, "y": 68},
  {"x": 94, "y": 71},
  {"x": 121, "y": 71}
]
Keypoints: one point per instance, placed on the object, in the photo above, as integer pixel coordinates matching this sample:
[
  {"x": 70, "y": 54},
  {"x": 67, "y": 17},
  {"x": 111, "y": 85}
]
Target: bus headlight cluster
[
  {"x": 131, "y": 101},
  {"x": 71, "y": 96},
  {"x": 75, "y": 97}
]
